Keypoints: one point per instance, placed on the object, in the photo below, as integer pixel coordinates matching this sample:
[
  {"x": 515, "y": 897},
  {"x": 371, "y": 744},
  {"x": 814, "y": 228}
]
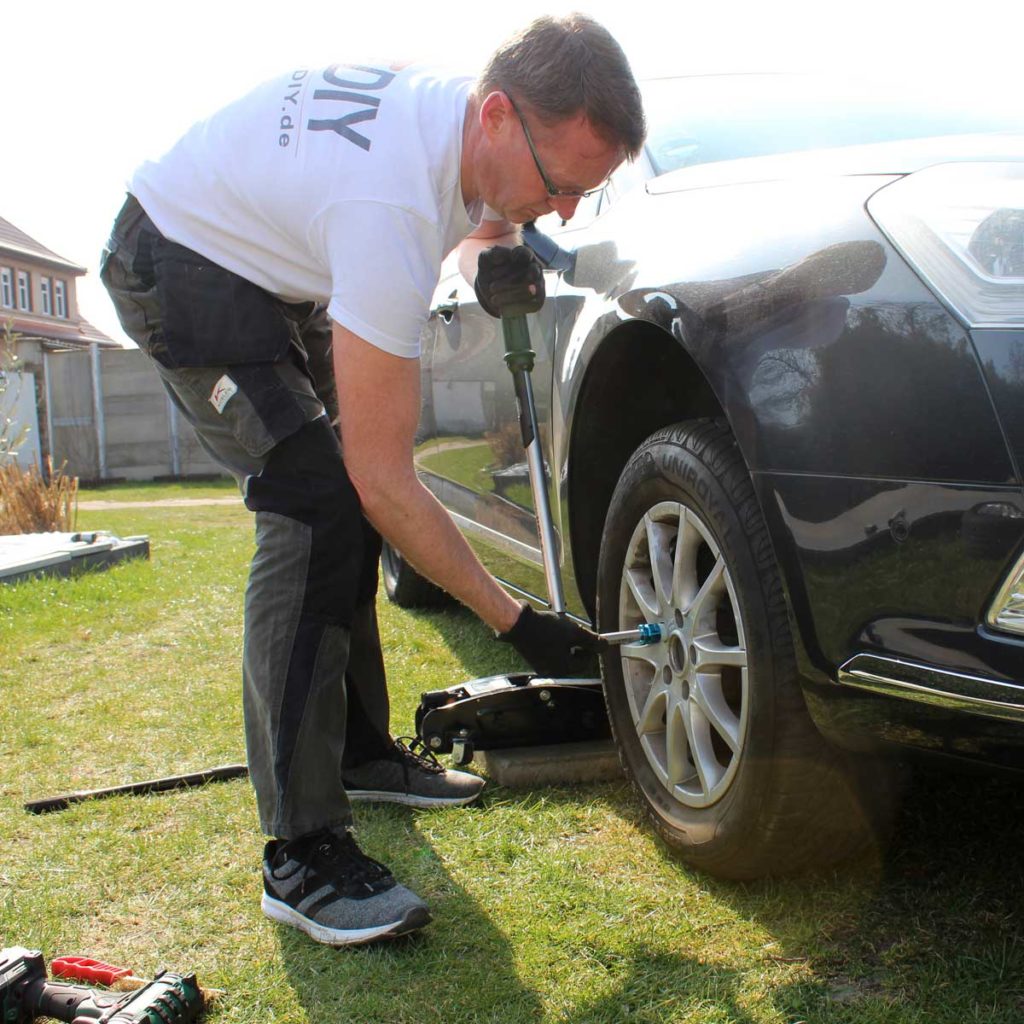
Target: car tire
[
  {"x": 405, "y": 586},
  {"x": 711, "y": 724}
]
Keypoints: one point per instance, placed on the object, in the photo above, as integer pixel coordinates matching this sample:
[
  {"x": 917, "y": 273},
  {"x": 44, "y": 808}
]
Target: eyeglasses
[{"x": 552, "y": 190}]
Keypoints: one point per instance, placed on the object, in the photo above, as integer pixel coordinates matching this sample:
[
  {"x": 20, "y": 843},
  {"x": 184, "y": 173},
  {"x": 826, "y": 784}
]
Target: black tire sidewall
[
  {"x": 666, "y": 469},
  {"x": 404, "y": 586},
  {"x": 391, "y": 565}
]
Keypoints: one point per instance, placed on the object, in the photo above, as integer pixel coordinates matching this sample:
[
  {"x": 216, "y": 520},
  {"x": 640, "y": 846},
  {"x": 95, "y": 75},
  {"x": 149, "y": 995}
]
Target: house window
[
  {"x": 45, "y": 290},
  {"x": 6, "y": 287},
  {"x": 24, "y": 291},
  {"x": 60, "y": 299}
]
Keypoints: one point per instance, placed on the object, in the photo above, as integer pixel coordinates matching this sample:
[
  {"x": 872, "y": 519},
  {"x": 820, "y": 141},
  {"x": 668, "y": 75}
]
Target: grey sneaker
[
  {"x": 324, "y": 885},
  {"x": 411, "y": 778}
]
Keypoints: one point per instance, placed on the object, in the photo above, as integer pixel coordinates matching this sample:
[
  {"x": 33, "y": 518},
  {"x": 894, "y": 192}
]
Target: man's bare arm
[
  {"x": 490, "y": 232},
  {"x": 379, "y": 401}
]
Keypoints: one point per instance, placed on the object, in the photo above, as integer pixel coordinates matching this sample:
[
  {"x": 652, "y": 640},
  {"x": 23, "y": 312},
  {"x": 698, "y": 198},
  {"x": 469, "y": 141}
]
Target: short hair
[{"x": 563, "y": 67}]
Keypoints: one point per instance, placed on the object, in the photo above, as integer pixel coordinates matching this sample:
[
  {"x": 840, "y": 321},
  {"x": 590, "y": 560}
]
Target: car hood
[{"x": 900, "y": 157}]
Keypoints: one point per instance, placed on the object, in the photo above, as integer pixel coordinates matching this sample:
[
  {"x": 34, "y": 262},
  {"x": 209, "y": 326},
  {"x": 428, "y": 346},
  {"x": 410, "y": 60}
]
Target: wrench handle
[{"x": 519, "y": 358}]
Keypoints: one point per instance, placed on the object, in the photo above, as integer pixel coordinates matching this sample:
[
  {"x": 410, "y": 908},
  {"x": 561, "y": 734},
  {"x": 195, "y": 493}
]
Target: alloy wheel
[{"x": 688, "y": 694}]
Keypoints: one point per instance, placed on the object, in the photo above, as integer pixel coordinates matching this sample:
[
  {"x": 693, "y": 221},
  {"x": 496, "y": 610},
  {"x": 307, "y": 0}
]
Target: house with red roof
[
  {"x": 39, "y": 305},
  {"x": 37, "y": 295}
]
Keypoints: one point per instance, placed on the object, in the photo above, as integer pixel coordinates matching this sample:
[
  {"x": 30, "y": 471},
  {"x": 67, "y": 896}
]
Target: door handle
[{"x": 446, "y": 310}]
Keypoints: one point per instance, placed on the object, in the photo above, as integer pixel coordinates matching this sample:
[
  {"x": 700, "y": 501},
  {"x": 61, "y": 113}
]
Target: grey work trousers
[{"x": 253, "y": 375}]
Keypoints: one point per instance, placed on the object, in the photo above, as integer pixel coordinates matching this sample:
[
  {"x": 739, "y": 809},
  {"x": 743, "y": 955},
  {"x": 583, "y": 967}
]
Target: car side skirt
[{"x": 906, "y": 680}]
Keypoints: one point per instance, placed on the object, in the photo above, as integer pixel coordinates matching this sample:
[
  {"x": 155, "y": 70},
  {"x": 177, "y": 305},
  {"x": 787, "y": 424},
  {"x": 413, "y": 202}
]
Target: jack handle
[{"x": 519, "y": 359}]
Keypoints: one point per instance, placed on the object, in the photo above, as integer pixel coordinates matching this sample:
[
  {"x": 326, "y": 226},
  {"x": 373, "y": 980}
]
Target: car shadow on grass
[{"x": 928, "y": 929}]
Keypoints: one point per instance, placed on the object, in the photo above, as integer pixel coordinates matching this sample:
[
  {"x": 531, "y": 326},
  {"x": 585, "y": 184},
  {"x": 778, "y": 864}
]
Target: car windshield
[{"x": 709, "y": 118}]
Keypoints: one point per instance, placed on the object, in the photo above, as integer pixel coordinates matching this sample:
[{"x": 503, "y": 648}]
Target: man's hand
[
  {"x": 509, "y": 280},
  {"x": 555, "y": 646}
]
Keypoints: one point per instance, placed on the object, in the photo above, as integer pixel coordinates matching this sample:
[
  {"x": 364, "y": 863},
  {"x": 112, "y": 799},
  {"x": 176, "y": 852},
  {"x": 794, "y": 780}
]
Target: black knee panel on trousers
[{"x": 305, "y": 479}]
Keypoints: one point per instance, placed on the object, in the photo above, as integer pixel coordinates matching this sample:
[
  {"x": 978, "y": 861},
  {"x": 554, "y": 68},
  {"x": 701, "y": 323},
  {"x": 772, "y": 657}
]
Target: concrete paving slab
[
  {"x": 24, "y": 556},
  {"x": 559, "y": 763}
]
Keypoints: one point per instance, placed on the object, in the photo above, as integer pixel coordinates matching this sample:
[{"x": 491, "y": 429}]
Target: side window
[
  {"x": 628, "y": 177},
  {"x": 586, "y": 210},
  {"x": 6, "y": 287}
]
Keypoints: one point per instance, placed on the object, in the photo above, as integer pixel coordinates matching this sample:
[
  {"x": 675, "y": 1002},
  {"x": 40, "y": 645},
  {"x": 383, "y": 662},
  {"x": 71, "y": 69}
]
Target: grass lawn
[{"x": 550, "y": 906}]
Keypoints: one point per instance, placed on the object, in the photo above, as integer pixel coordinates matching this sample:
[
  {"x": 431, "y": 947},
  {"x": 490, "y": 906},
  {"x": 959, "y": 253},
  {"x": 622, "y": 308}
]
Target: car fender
[{"x": 750, "y": 284}]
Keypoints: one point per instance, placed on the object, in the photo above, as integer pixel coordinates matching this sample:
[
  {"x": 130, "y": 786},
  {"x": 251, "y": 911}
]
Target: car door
[{"x": 477, "y": 466}]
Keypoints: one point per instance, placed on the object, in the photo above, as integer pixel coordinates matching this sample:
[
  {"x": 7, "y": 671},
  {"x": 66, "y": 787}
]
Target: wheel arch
[{"x": 640, "y": 378}]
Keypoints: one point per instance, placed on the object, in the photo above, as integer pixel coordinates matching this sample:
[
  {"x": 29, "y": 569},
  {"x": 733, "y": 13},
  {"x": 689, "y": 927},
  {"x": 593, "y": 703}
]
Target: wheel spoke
[
  {"x": 677, "y": 745},
  {"x": 684, "y": 571},
  {"x": 643, "y": 593},
  {"x": 709, "y": 771},
  {"x": 659, "y": 540},
  {"x": 712, "y": 652},
  {"x": 706, "y": 599},
  {"x": 653, "y": 746},
  {"x": 707, "y": 691},
  {"x": 650, "y": 718},
  {"x": 645, "y": 653}
]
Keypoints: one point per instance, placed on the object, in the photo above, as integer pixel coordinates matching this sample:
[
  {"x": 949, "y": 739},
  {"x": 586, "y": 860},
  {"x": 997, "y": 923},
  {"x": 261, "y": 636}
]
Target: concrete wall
[
  {"x": 133, "y": 431},
  {"x": 70, "y": 414}
]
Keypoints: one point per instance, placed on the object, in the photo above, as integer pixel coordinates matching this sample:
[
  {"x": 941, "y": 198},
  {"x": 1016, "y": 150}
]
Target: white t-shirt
[{"x": 340, "y": 185}]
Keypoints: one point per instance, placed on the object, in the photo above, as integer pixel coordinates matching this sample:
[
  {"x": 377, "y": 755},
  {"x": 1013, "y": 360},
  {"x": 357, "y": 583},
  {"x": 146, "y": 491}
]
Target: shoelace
[
  {"x": 425, "y": 761},
  {"x": 340, "y": 859}
]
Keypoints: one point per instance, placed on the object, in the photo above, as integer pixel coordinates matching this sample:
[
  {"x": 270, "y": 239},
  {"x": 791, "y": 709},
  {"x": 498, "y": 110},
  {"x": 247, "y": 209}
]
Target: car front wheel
[{"x": 711, "y": 723}]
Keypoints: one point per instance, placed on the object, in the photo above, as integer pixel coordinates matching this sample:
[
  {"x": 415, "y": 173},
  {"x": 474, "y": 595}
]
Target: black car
[{"x": 780, "y": 377}]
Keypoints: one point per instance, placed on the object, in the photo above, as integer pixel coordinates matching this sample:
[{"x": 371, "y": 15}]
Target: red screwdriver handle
[{"x": 81, "y": 968}]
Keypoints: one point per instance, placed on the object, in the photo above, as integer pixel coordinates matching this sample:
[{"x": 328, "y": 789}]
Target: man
[{"x": 348, "y": 186}]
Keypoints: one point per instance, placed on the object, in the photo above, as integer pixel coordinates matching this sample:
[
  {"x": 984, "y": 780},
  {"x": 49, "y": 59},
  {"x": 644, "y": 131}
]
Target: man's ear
[{"x": 495, "y": 111}]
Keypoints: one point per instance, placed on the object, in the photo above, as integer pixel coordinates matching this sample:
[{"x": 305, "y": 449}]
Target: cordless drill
[{"x": 25, "y": 994}]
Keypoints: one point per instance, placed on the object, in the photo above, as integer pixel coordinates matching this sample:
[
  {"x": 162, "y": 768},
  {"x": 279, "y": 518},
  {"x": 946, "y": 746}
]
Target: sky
[{"x": 91, "y": 89}]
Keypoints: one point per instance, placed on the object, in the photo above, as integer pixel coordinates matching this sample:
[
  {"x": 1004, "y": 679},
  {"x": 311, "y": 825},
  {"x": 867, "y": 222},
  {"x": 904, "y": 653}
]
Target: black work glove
[
  {"x": 555, "y": 646},
  {"x": 509, "y": 281}
]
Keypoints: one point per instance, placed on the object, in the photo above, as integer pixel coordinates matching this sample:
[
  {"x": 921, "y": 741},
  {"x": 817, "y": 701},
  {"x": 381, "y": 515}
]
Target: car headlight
[
  {"x": 961, "y": 226},
  {"x": 1007, "y": 610}
]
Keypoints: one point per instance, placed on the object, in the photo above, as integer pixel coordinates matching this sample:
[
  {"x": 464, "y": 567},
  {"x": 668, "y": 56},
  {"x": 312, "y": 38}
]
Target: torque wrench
[{"x": 519, "y": 358}]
